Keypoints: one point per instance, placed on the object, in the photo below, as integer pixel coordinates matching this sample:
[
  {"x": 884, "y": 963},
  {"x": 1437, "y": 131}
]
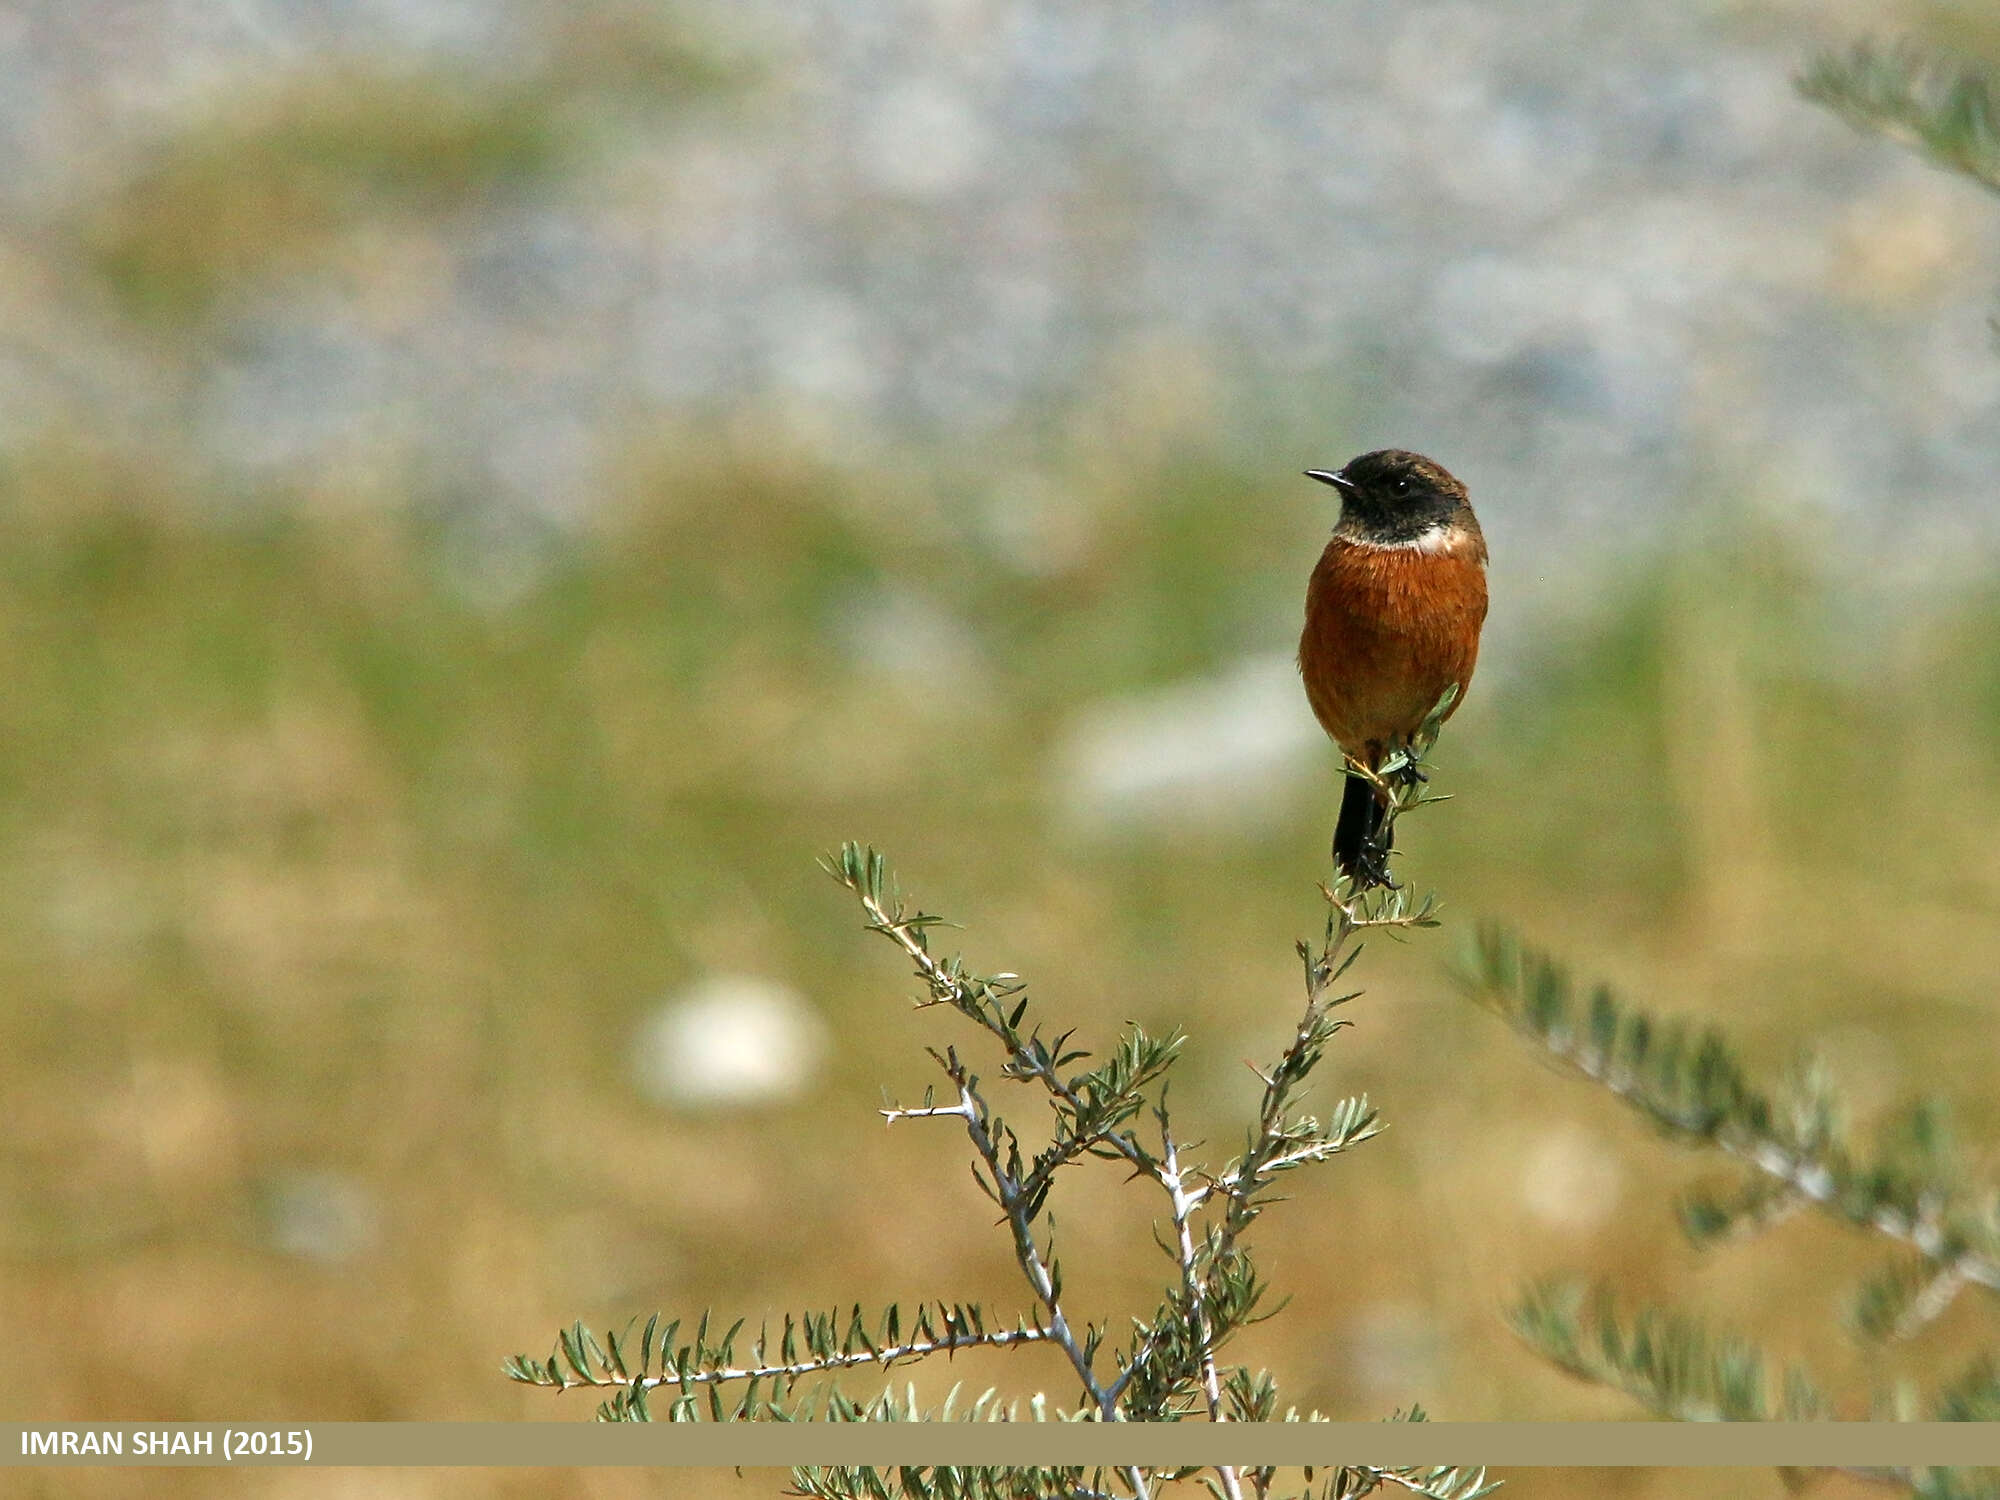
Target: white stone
[{"x": 729, "y": 1039}]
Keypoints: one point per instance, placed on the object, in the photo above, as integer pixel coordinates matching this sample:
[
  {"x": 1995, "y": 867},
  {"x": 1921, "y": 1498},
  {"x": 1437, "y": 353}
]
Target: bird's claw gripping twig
[{"x": 1371, "y": 868}]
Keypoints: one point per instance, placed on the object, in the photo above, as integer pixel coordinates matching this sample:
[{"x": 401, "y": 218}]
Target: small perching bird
[{"x": 1393, "y": 614}]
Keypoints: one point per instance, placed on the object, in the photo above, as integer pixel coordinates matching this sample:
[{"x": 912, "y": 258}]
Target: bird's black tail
[{"x": 1355, "y": 848}]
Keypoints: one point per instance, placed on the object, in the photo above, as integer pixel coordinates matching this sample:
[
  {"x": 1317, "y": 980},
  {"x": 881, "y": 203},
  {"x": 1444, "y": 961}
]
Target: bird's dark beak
[{"x": 1326, "y": 476}]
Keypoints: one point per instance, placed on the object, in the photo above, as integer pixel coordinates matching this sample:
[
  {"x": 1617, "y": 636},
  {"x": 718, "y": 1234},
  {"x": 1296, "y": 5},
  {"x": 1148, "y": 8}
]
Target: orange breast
[{"x": 1388, "y": 629}]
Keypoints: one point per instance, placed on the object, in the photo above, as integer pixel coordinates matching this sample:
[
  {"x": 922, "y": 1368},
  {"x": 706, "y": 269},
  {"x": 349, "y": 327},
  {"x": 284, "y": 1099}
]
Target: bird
[{"x": 1393, "y": 614}]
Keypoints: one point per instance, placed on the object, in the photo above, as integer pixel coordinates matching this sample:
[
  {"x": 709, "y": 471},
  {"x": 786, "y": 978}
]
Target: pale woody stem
[
  {"x": 887, "y": 1355},
  {"x": 1192, "y": 1286}
]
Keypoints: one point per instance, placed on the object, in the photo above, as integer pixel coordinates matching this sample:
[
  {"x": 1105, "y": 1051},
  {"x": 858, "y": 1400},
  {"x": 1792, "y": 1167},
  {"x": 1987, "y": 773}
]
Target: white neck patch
[{"x": 1445, "y": 538}]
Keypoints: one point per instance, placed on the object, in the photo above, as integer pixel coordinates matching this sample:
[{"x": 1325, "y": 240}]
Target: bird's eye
[{"x": 1399, "y": 485}]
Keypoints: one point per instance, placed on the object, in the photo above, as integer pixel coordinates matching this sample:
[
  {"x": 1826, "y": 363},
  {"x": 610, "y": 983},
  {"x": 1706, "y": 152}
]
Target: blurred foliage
[
  {"x": 1945, "y": 110},
  {"x": 1942, "y": 104},
  {"x": 1913, "y": 1185},
  {"x": 1669, "y": 1364}
]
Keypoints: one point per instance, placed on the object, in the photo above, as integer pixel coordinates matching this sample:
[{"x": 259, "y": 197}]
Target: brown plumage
[{"x": 1393, "y": 614}]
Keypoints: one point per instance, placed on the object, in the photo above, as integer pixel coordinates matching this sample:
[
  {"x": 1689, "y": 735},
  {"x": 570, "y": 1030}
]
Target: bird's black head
[{"x": 1394, "y": 498}]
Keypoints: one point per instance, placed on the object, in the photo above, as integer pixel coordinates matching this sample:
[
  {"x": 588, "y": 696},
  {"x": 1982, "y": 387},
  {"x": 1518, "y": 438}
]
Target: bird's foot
[{"x": 1371, "y": 869}]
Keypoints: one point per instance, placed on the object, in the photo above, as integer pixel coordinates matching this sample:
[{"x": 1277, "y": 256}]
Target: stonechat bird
[{"x": 1392, "y": 621}]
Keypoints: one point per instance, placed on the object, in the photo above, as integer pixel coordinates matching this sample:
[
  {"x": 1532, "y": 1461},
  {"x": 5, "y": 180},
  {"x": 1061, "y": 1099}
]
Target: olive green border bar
[{"x": 762, "y": 1445}]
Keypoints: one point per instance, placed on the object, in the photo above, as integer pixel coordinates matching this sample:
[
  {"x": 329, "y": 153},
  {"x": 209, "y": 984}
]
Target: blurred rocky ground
[{"x": 470, "y": 252}]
